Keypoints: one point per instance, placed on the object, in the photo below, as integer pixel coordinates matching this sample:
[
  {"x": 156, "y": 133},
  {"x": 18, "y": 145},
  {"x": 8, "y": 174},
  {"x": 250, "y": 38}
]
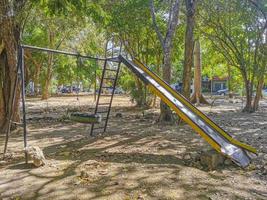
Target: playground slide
[{"x": 212, "y": 133}]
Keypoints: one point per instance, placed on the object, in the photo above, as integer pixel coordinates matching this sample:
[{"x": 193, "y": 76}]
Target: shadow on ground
[{"x": 135, "y": 159}]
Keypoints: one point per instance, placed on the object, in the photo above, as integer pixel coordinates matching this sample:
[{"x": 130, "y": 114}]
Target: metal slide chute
[
  {"x": 212, "y": 133},
  {"x": 195, "y": 110}
]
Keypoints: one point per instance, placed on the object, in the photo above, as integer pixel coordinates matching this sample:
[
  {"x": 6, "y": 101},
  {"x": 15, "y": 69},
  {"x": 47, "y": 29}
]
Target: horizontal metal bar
[
  {"x": 112, "y": 70},
  {"x": 102, "y": 104},
  {"x": 115, "y": 59},
  {"x": 109, "y": 78},
  {"x": 102, "y": 127}
]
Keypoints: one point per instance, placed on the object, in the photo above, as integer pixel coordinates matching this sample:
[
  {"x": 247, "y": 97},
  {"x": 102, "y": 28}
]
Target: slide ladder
[{"x": 105, "y": 94}]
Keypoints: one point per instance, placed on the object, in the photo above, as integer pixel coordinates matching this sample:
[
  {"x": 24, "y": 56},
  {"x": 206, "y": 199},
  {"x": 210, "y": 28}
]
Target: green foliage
[
  {"x": 235, "y": 34},
  {"x": 130, "y": 24},
  {"x": 55, "y": 30},
  {"x": 234, "y": 41},
  {"x": 85, "y": 27}
]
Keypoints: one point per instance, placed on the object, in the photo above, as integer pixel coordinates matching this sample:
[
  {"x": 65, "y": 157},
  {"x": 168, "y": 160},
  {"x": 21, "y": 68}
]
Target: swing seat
[{"x": 86, "y": 118}]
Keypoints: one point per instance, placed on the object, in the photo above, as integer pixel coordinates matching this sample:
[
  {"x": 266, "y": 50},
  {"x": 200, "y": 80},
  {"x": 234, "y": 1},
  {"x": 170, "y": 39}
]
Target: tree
[
  {"x": 261, "y": 73},
  {"x": 238, "y": 36},
  {"x": 133, "y": 31},
  {"x": 10, "y": 23},
  {"x": 189, "y": 46},
  {"x": 197, "y": 96},
  {"x": 13, "y": 14},
  {"x": 57, "y": 30},
  {"x": 166, "y": 41}
]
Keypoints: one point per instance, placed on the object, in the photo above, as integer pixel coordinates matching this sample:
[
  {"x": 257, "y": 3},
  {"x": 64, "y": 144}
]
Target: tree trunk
[
  {"x": 37, "y": 70},
  {"x": 165, "y": 111},
  {"x": 36, "y": 79},
  {"x": 45, "y": 91},
  {"x": 262, "y": 74},
  {"x": 197, "y": 97},
  {"x": 166, "y": 70},
  {"x": 189, "y": 46},
  {"x": 166, "y": 44},
  {"x": 9, "y": 39},
  {"x": 229, "y": 81},
  {"x": 249, "y": 89},
  {"x": 140, "y": 100},
  {"x": 258, "y": 94},
  {"x": 48, "y": 78},
  {"x": 158, "y": 72}
]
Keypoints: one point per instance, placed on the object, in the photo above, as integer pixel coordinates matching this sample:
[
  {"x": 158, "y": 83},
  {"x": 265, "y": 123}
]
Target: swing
[
  {"x": 85, "y": 117},
  {"x": 80, "y": 116}
]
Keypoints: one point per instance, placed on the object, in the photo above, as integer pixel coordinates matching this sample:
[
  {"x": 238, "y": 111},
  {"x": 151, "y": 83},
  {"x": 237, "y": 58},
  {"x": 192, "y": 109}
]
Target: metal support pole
[
  {"x": 96, "y": 65},
  {"x": 23, "y": 102},
  {"x": 66, "y": 53}
]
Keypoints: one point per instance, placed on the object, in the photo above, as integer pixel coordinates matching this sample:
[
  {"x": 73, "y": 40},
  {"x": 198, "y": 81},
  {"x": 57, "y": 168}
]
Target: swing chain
[{"x": 78, "y": 64}]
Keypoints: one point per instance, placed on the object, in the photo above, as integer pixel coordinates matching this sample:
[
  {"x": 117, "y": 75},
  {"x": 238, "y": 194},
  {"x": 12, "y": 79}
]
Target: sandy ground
[{"x": 135, "y": 159}]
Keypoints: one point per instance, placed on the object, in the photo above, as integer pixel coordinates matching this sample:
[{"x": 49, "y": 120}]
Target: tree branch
[
  {"x": 152, "y": 10},
  {"x": 173, "y": 21},
  {"x": 170, "y": 13},
  {"x": 225, "y": 38},
  {"x": 221, "y": 49},
  {"x": 259, "y": 7},
  {"x": 229, "y": 38}
]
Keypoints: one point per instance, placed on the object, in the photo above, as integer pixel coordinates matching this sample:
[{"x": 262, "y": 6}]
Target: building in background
[{"x": 214, "y": 84}]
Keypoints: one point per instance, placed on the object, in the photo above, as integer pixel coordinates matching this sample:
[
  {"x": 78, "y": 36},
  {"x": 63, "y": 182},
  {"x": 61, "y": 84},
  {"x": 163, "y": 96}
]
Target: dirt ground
[{"x": 136, "y": 158}]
